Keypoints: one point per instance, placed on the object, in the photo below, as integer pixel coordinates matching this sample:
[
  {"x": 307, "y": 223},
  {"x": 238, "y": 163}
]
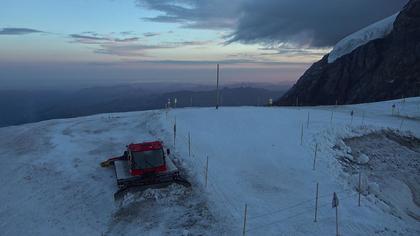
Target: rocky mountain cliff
[{"x": 382, "y": 69}]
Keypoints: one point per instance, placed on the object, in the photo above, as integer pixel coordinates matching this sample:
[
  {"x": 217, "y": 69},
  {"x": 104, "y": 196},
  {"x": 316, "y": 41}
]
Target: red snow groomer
[{"x": 144, "y": 165}]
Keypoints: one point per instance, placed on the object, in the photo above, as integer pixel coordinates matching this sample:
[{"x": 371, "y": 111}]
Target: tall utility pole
[{"x": 217, "y": 88}]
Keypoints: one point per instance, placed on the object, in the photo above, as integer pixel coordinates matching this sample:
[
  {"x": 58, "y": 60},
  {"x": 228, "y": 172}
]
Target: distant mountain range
[
  {"x": 380, "y": 62},
  {"x": 18, "y": 107}
]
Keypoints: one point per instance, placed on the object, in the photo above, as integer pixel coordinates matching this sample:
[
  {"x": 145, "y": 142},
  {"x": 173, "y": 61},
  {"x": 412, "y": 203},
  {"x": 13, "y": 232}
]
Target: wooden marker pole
[
  {"x": 301, "y": 135},
  {"x": 335, "y": 204},
  {"x": 175, "y": 133},
  {"x": 332, "y": 114},
  {"x": 207, "y": 170},
  {"x": 316, "y": 202},
  {"x": 360, "y": 185},
  {"x": 307, "y": 121},
  {"x": 244, "y": 227},
  {"x": 316, "y": 150},
  {"x": 189, "y": 144},
  {"x": 217, "y": 88}
]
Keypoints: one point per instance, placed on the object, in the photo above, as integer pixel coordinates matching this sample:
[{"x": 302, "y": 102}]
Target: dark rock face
[{"x": 383, "y": 69}]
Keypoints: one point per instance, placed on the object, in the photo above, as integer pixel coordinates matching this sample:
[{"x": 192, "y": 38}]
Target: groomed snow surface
[
  {"x": 376, "y": 30},
  {"x": 51, "y": 182}
]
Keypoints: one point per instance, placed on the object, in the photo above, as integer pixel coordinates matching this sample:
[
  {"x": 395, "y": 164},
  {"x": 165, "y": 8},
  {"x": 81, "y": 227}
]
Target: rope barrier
[{"x": 293, "y": 216}]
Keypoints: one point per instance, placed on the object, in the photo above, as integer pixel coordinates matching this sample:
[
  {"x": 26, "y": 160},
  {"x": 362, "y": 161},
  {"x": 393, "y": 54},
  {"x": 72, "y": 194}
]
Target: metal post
[
  {"x": 217, "y": 88},
  {"x": 316, "y": 150},
  {"x": 207, "y": 170},
  {"x": 335, "y": 204},
  {"x": 244, "y": 227},
  {"x": 189, "y": 144},
  {"x": 332, "y": 114},
  {"x": 174, "y": 133},
  {"x": 301, "y": 135},
  {"x": 360, "y": 185},
  {"x": 307, "y": 122},
  {"x": 316, "y": 202}
]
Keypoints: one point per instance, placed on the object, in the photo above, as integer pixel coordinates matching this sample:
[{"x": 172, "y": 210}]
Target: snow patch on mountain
[{"x": 374, "y": 31}]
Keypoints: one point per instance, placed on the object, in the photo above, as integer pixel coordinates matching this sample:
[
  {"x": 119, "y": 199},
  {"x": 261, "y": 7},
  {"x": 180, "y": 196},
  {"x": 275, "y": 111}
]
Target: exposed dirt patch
[{"x": 390, "y": 164}]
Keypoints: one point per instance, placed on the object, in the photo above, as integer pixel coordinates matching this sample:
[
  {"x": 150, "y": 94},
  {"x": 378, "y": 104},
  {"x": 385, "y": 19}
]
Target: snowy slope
[
  {"x": 376, "y": 30},
  {"x": 51, "y": 182}
]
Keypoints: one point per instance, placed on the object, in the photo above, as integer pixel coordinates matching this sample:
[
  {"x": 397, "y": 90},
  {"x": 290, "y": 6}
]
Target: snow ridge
[{"x": 376, "y": 30}]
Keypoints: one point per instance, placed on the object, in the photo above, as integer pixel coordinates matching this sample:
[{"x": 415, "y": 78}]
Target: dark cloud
[
  {"x": 314, "y": 23},
  {"x": 311, "y": 23},
  {"x": 126, "y": 32},
  {"x": 18, "y": 31},
  {"x": 213, "y": 14},
  {"x": 132, "y": 39},
  {"x": 95, "y": 38},
  {"x": 89, "y": 37},
  {"x": 189, "y": 43},
  {"x": 150, "y": 34}
]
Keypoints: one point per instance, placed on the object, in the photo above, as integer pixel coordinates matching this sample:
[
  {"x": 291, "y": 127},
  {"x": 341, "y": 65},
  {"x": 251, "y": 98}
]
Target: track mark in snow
[
  {"x": 175, "y": 209},
  {"x": 27, "y": 139}
]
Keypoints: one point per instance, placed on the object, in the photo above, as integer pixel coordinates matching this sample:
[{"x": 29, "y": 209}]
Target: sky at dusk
[{"x": 61, "y": 43}]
